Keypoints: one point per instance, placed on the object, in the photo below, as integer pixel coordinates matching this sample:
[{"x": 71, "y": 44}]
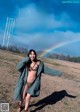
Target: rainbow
[{"x": 58, "y": 45}]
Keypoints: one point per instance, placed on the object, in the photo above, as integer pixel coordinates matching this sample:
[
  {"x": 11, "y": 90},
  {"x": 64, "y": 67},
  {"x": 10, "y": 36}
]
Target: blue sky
[{"x": 42, "y": 25}]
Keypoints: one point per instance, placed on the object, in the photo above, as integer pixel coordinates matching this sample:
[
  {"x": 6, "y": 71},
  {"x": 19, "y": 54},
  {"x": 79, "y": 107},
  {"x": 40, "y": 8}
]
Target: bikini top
[{"x": 34, "y": 68}]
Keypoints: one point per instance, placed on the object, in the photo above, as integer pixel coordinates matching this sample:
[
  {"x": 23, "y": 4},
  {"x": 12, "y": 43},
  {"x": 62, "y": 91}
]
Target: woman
[{"x": 29, "y": 80}]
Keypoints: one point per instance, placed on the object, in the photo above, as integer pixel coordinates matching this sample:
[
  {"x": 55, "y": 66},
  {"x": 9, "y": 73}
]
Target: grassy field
[{"x": 58, "y": 94}]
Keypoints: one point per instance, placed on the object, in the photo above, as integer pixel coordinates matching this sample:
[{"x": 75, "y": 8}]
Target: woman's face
[{"x": 32, "y": 56}]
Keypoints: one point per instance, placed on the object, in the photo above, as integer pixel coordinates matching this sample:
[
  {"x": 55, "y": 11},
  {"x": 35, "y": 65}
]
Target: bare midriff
[
  {"x": 31, "y": 76},
  {"x": 32, "y": 73}
]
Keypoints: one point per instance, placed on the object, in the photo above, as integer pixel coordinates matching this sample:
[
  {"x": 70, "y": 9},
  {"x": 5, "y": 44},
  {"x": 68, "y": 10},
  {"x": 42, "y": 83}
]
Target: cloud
[
  {"x": 30, "y": 20},
  {"x": 42, "y": 41},
  {"x": 40, "y": 30},
  {"x": 41, "y": 25}
]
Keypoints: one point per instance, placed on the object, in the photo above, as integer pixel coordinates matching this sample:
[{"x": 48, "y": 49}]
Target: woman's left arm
[{"x": 51, "y": 71}]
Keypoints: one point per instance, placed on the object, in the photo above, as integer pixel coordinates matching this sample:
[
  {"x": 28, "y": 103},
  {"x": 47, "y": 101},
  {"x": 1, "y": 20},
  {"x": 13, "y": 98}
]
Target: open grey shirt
[{"x": 34, "y": 89}]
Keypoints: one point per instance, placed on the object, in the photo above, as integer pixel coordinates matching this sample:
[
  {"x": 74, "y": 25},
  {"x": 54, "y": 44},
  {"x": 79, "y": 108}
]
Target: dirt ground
[{"x": 58, "y": 94}]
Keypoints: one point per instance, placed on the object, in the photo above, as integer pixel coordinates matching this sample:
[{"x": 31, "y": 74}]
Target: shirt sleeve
[
  {"x": 51, "y": 71},
  {"x": 22, "y": 63}
]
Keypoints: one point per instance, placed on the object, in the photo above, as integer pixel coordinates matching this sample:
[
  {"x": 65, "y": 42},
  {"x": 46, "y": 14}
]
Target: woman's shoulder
[{"x": 40, "y": 62}]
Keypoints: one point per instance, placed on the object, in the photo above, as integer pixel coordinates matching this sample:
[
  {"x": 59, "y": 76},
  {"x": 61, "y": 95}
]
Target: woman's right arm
[{"x": 21, "y": 64}]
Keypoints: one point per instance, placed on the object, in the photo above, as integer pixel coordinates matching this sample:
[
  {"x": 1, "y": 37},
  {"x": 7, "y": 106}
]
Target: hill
[{"x": 58, "y": 94}]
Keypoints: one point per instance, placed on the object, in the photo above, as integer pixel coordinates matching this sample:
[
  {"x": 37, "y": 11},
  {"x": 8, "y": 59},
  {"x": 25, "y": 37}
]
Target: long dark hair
[
  {"x": 29, "y": 62},
  {"x": 32, "y": 50}
]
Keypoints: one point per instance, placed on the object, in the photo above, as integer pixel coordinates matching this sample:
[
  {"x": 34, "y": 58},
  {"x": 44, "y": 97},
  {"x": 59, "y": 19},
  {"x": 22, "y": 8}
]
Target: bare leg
[
  {"x": 23, "y": 97},
  {"x": 20, "y": 103},
  {"x": 27, "y": 101},
  {"x": 19, "y": 106},
  {"x": 24, "y": 92}
]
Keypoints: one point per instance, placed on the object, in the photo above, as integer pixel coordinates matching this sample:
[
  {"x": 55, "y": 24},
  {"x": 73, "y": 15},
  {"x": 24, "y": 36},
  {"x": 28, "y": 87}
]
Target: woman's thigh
[{"x": 28, "y": 96}]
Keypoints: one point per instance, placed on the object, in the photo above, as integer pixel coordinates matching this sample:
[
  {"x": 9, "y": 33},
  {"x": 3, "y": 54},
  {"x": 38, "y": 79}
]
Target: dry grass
[{"x": 57, "y": 93}]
